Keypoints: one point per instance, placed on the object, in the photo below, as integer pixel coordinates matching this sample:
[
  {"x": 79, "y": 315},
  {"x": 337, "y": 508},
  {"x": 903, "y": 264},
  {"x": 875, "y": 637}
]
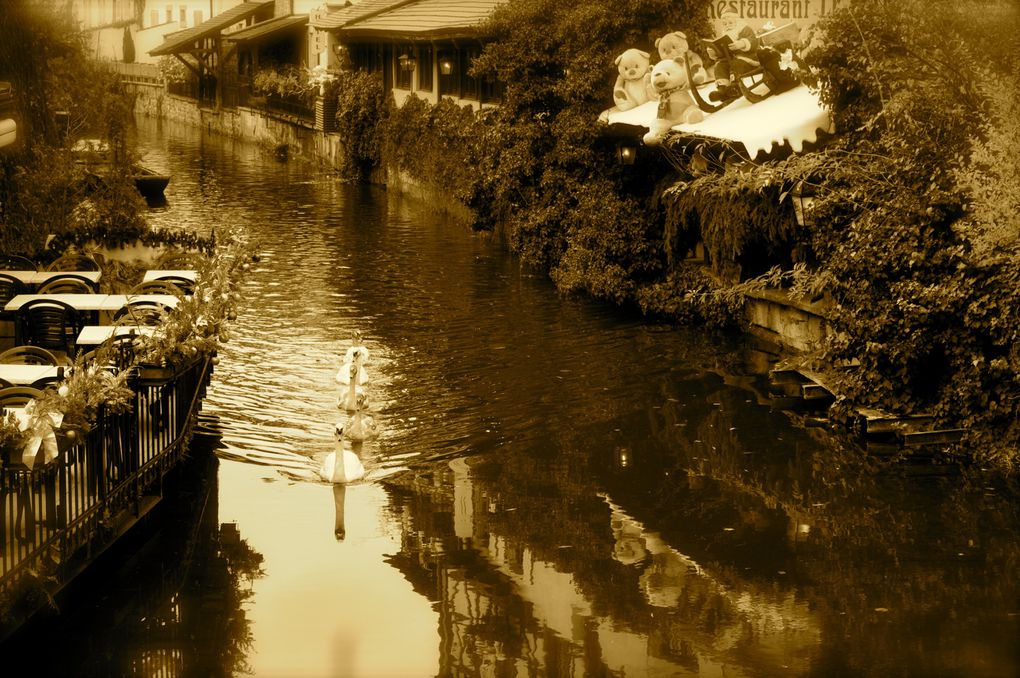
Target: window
[
  {"x": 468, "y": 84},
  {"x": 169, "y": 13},
  {"x": 425, "y": 68},
  {"x": 198, "y": 16},
  {"x": 153, "y": 17},
  {"x": 405, "y": 64},
  {"x": 184, "y": 17}
]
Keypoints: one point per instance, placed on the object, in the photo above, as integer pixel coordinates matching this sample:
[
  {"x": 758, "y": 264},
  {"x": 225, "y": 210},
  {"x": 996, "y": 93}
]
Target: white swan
[
  {"x": 361, "y": 426},
  {"x": 349, "y": 399},
  {"x": 341, "y": 465},
  {"x": 356, "y": 356}
]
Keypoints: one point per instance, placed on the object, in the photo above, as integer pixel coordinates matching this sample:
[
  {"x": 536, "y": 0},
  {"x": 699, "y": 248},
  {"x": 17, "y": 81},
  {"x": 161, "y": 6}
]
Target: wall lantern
[
  {"x": 407, "y": 62},
  {"x": 803, "y": 198},
  {"x": 626, "y": 152},
  {"x": 446, "y": 66},
  {"x": 623, "y": 459}
]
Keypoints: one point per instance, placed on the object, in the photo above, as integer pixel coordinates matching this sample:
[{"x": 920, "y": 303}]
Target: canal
[{"x": 557, "y": 489}]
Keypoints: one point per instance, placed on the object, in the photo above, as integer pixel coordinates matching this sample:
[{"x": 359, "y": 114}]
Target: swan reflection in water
[{"x": 339, "y": 495}]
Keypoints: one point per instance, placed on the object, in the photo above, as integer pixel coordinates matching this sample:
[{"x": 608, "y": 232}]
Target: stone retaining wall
[
  {"x": 791, "y": 323},
  {"x": 271, "y": 131}
]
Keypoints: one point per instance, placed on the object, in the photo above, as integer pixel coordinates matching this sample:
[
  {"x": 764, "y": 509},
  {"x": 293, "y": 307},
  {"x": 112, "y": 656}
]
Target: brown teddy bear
[
  {"x": 674, "y": 46},
  {"x": 632, "y": 85}
]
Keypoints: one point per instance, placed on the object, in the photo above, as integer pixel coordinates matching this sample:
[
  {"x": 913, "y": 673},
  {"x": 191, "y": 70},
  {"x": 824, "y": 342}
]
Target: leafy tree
[
  {"x": 128, "y": 46},
  {"x": 548, "y": 178},
  {"x": 915, "y": 221},
  {"x": 62, "y": 95}
]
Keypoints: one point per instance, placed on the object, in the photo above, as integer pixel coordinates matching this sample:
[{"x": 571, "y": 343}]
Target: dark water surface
[{"x": 558, "y": 489}]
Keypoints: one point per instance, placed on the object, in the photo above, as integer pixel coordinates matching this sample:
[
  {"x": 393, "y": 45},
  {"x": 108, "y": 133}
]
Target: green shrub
[
  {"x": 915, "y": 221},
  {"x": 362, "y": 108}
]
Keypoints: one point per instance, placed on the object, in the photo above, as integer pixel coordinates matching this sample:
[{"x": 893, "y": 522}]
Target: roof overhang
[
  {"x": 184, "y": 41},
  {"x": 419, "y": 20},
  {"x": 342, "y": 16},
  {"x": 268, "y": 29}
]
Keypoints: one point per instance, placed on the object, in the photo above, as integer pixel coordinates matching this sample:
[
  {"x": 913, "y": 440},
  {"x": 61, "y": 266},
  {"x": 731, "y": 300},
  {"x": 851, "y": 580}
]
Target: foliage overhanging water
[{"x": 559, "y": 488}]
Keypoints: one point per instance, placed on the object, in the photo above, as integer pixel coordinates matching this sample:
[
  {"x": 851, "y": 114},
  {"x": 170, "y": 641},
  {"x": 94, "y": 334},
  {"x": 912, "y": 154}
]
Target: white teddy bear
[{"x": 669, "y": 79}]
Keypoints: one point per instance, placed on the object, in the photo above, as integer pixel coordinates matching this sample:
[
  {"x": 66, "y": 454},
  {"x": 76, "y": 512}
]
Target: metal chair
[
  {"x": 24, "y": 518},
  {"x": 117, "y": 352},
  {"x": 157, "y": 287},
  {"x": 141, "y": 313},
  {"x": 15, "y": 262},
  {"x": 28, "y": 355},
  {"x": 51, "y": 324},
  {"x": 10, "y": 287},
  {"x": 49, "y": 382},
  {"x": 74, "y": 262},
  {"x": 67, "y": 283},
  {"x": 187, "y": 286},
  {"x": 18, "y": 396}
]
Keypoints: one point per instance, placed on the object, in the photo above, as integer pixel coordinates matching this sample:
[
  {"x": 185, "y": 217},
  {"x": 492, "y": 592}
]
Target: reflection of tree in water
[
  {"x": 169, "y": 606},
  {"x": 886, "y": 548},
  {"x": 855, "y": 553}
]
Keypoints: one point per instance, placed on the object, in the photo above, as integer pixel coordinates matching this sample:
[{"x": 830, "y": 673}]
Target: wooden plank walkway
[{"x": 806, "y": 388}]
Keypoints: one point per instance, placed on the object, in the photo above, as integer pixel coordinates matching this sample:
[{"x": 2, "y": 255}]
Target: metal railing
[
  {"x": 55, "y": 518},
  {"x": 137, "y": 73}
]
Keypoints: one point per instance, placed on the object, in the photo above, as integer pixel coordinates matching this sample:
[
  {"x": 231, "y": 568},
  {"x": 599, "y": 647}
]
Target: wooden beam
[
  {"x": 936, "y": 437},
  {"x": 193, "y": 69}
]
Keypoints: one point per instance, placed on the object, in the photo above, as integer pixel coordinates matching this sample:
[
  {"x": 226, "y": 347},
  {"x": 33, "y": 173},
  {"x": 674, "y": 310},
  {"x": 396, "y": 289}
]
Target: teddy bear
[
  {"x": 674, "y": 46},
  {"x": 632, "y": 86},
  {"x": 669, "y": 79}
]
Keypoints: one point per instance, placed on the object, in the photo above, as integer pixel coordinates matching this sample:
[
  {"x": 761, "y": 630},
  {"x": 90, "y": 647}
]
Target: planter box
[{"x": 158, "y": 375}]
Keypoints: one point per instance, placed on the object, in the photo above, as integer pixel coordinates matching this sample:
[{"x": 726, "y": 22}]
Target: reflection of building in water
[{"x": 570, "y": 599}]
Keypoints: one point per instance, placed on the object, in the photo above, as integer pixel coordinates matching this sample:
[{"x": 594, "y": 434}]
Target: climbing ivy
[
  {"x": 362, "y": 108},
  {"x": 916, "y": 240}
]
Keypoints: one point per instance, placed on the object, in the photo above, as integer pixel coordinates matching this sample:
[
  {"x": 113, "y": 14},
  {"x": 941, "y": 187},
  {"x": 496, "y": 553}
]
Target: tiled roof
[
  {"x": 425, "y": 18},
  {"x": 353, "y": 12},
  {"x": 265, "y": 28},
  {"x": 181, "y": 41}
]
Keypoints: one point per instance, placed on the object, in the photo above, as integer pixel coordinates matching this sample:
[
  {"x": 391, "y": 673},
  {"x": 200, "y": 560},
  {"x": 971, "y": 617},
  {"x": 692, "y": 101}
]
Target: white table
[
  {"x": 26, "y": 375},
  {"x": 157, "y": 274},
  {"x": 42, "y": 277},
  {"x": 93, "y": 302},
  {"x": 94, "y": 335}
]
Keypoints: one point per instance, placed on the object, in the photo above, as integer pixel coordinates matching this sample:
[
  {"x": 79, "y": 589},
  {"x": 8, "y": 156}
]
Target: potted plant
[
  {"x": 196, "y": 326},
  {"x": 12, "y": 439},
  {"x": 86, "y": 388}
]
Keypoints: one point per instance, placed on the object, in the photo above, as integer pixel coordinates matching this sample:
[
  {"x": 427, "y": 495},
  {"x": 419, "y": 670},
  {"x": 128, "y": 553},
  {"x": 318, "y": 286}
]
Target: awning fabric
[
  {"x": 264, "y": 29},
  {"x": 182, "y": 41},
  {"x": 8, "y": 132},
  {"x": 792, "y": 118}
]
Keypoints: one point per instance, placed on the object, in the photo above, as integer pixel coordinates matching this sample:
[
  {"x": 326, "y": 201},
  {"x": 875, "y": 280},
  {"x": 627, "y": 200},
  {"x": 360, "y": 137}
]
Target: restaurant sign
[{"x": 777, "y": 12}]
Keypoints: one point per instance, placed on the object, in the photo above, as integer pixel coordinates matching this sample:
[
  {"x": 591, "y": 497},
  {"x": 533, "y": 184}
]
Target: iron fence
[{"x": 54, "y": 517}]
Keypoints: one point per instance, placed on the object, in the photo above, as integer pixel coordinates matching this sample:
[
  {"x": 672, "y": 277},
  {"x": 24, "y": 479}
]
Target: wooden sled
[
  {"x": 768, "y": 74},
  {"x": 703, "y": 104},
  {"x": 754, "y": 82}
]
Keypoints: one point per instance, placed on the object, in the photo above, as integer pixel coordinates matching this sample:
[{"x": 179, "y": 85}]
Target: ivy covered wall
[{"x": 915, "y": 231}]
